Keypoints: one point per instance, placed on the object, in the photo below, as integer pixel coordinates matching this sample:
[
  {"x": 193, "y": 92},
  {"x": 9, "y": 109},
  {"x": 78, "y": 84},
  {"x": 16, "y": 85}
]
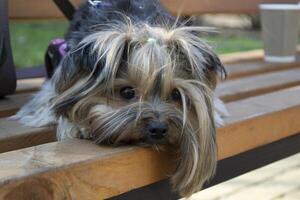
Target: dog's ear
[
  {"x": 94, "y": 63},
  {"x": 70, "y": 79},
  {"x": 200, "y": 56},
  {"x": 213, "y": 67},
  {"x": 75, "y": 65},
  {"x": 214, "y": 64}
]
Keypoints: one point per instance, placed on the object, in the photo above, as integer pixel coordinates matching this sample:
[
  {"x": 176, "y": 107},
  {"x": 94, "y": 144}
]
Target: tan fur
[{"x": 159, "y": 59}]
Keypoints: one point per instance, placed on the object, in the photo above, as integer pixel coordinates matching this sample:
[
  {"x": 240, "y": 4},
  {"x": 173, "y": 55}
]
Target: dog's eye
[
  {"x": 127, "y": 93},
  {"x": 176, "y": 96}
]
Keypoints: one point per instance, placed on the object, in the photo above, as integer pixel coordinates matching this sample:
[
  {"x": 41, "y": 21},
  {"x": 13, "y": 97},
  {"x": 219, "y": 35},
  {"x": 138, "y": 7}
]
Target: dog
[{"x": 134, "y": 74}]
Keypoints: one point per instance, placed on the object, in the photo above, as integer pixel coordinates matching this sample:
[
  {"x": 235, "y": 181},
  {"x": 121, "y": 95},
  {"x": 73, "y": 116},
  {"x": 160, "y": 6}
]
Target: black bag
[{"x": 7, "y": 70}]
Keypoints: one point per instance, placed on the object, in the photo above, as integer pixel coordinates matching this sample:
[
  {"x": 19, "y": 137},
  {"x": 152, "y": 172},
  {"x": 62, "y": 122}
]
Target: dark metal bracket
[{"x": 7, "y": 70}]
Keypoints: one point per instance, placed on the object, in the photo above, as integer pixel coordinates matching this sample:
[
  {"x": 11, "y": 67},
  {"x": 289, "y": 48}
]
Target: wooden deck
[{"x": 264, "y": 104}]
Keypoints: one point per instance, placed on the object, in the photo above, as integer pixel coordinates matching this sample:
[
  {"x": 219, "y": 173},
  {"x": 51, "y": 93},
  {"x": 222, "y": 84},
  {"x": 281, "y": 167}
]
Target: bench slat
[
  {"x": 260, "y": 120},
  {"x": 238, "y": 57},
  {"x": 11, "y": 104},
  {"x": 82, "y": 169},
  {"x": 245, "y": 56},
  {"x": 29, "y": 85},
  {"x": 14, "y": 136},
  {"x": 233, "y": 90},
  {"x": 81, "y": 178},
  {"x": 255, "y": 67}
]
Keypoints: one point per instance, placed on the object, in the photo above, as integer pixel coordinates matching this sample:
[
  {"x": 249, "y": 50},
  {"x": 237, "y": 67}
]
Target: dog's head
[{"x": 135, "y": 83}]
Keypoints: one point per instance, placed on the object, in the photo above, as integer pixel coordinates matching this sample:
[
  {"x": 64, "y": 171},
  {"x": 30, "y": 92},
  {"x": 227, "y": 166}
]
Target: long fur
[{"x": 83, "y": 98}]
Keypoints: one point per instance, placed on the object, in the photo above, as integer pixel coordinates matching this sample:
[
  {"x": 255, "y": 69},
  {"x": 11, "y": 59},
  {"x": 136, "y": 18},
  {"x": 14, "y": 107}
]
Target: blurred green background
[{"x": 30, "y": 40}]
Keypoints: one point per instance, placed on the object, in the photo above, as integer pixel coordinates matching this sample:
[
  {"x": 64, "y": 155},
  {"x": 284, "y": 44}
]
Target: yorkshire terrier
[{"x": 134, "y": 74}]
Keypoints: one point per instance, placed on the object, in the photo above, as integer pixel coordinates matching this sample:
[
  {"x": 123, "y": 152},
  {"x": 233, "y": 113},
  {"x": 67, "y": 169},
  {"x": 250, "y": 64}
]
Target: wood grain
[
  {"x": 78, "y": 170},
  {"x": 249, "y": 63},
  {"x": 257, "y": 66},
  {"x": 236, "y": 89},
  {"x": 11, "y": 104},
  {"x": 73, "y": 168},
  {"x": 260, "y": 120},
  {"x": 14, "y": 136}
]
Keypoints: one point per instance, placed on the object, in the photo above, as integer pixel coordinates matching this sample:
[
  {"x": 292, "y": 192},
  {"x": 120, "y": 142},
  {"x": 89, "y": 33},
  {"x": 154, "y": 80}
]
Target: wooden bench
[{"x": 263, "y": 100}]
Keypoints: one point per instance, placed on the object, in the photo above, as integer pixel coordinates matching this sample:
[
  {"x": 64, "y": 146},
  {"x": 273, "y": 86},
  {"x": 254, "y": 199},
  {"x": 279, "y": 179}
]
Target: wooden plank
[
  {"x": 236, "y": 89},
  {"x": 258, "y": 66},
  {"x": 11, "y": 104},
  {"x": 237, "y": 57},
  {"x": 256, "y": 158},
  {"x": 260, "y": 120},
  {"x": 84, "y": 180},
  {"x": 46, "y": 9},
  {"x": 75, "y": 168},
  {"x": 16, "y": 136},
  {"x": 249, "y": 63},
  {"x": 29, "y": 85},
  {"x": 245, "y": 56},
  {"x": 243, "y": 163}
]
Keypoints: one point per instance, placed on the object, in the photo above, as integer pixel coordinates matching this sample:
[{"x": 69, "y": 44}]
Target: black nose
[{"x": 157, "y": 130}]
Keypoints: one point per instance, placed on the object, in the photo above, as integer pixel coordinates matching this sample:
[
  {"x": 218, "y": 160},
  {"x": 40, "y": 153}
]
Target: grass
[
  {"x": 229, "y": 43},
  {"x": 30, "y": 40}
]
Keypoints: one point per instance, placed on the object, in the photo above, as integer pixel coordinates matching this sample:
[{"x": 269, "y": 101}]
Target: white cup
[{"x": 280, "y": 31}]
